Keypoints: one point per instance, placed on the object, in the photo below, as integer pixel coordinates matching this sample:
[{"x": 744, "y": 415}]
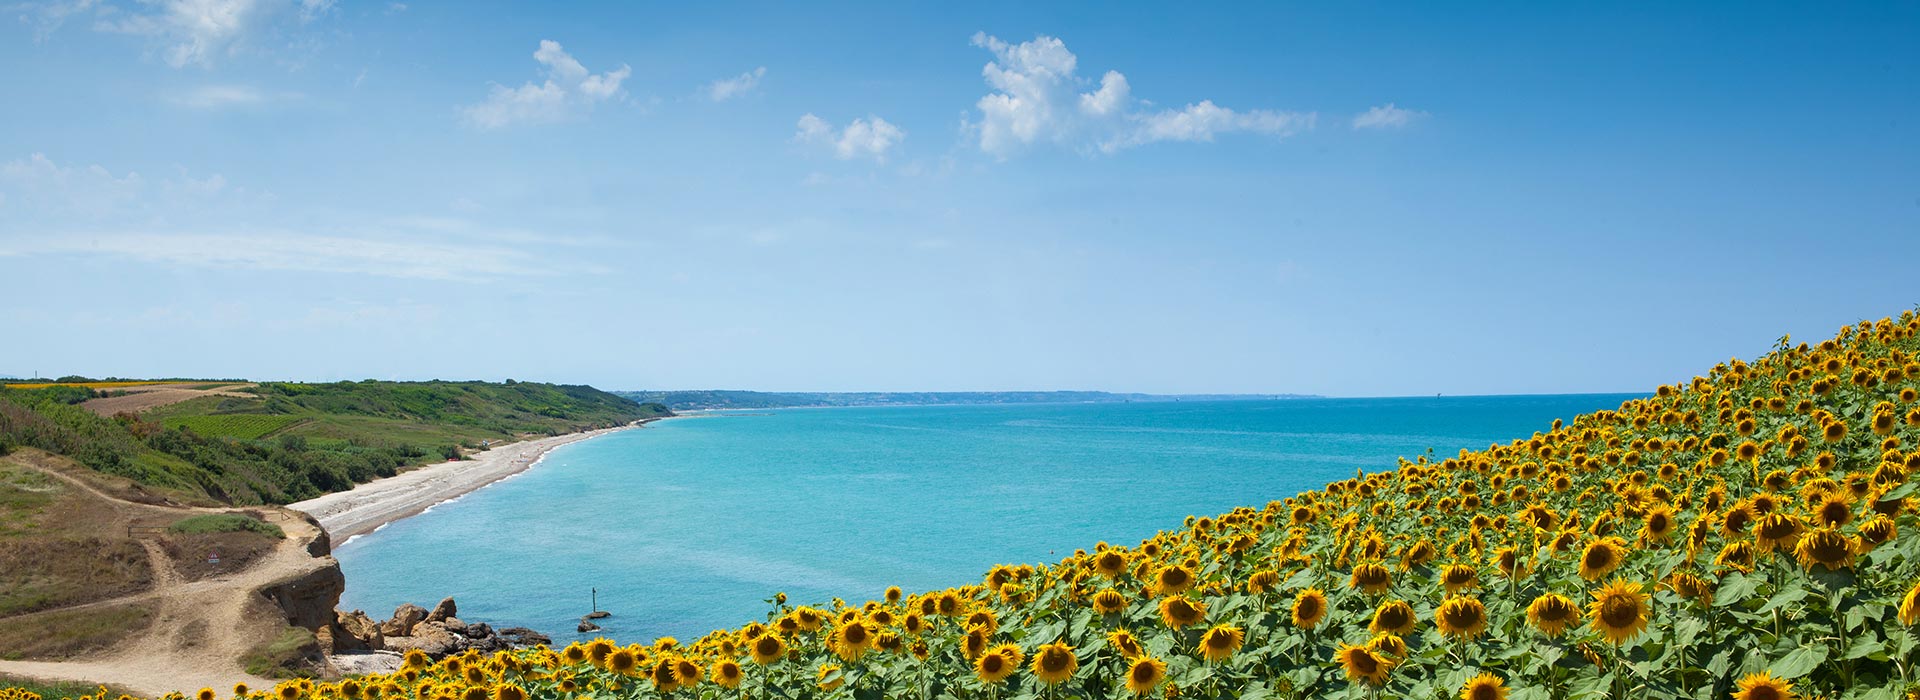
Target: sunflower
[
  {"x": 1109, "y": 601},
  {"x": 240, "y": 690},
  {"x": 1736, "y": 555},
  {"x": 1827, "y": 547},
  {"x": 1180, "y": 611},
  {"x": 1658, "y": 525},
  {"x": 1389, "y": 644},
  {"x": 1220, "y": 642},
  {"x": 983, "y": 620},
  {"x": 1362, "y": 663},
  {"x": 1875, "y": 532},
  {"x": 1173, "y": 579},
  {"x": 688, "y": 672},
  {"x": 1145, "y": 674},
  {"x": 664, "y": 678},
  {"x": 829, "y": 677},
  {"x": 1263, "y": 581},
  {"x": 210, "y": 694},
  {"x": 1692, "y": 587},
  {"x": 1392, "y": 617},
  {"x": 623, "y": 662},
  {"x": 1309, "y": 608},
  {"x": 1619, "y": 611},
  {"x": 1054, "y": 663},
  {"x": 767, "y": 649},
  {"x": 1464, "y": 617},
  {"x": 1372, "y": 578},
  {"x": 1776, "y": 531},
  {"x": 1458, "y": 577},
  {"x": 1110, "y": 563},
  {"x": 850, "y": 641},
  {"x": 997, "y": 664},
  {"x": 727, "y": 673},
  {"x": 1910, "y": 606},
  {"x": 509, "y": 691},
  {"x": 1508, "y": 560},
  {"x": 1601, "y": 557},
  {"x": 1485, "y": 686},
  {"x": 975, "y": 643},
  {"x": 948, "y": 604},
  {"x": 1763, "y": 686},
  {"x": 1834, "y": 509},
  {"x": 1124, "y": 642},
  {"x": 893, "y": 594},
  {"x": 1552, "y": 613}
]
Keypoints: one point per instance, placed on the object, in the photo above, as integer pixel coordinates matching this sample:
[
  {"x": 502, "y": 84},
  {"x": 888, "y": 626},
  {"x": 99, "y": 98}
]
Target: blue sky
[{"x": 1343, "y": 198}]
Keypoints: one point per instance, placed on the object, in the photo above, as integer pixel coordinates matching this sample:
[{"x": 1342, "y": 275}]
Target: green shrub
[{"x": 225, "y": 522}]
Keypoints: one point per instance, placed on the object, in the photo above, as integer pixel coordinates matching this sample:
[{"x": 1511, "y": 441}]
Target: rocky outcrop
[
  {"x": 441, "y": 633},
  {"x": 357, "y": 632},
  {"x": 403, "y": 621},
  {"x": 307, "y": 600}
]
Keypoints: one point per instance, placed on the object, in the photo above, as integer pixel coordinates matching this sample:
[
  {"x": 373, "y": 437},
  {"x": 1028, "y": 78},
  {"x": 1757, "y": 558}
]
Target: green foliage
[
  {"x": 290, "y": 655},
  {"x": 226, "y": 522},
  {"x": 241, "y": 427},
  {"x": 48, "y": 690},
  {"x": 298, "y": 441}
]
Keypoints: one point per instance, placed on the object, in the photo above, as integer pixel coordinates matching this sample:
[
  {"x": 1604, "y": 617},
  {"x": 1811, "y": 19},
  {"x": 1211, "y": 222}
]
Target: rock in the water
[
  {"x": 586, "y": 626},
  {"x": 479, "y": 630},
  {"x": 444, "y": 610},
  {"x": 430, "y": 637},
  {"x": 356, "y": 632},
  {"x": 523, "y": 637},
  {"x": 595, "y": 615},
  {"x": 403, "y": 620},
  {"x": 454, "y": 625}
]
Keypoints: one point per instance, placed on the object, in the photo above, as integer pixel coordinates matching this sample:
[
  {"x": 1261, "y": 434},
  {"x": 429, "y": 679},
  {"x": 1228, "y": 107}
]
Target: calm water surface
[{"x": 688, "y": 525}]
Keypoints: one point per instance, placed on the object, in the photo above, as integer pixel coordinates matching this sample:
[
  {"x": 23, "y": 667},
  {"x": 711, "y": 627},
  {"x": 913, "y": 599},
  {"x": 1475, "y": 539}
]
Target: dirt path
[
  {"x": 149, "y": 396},
  {"x": 201, "y": 629}
]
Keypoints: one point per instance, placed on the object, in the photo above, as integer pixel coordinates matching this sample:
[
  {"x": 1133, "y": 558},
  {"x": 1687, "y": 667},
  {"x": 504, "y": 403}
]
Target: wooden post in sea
[{"x": 596, "y": 600}]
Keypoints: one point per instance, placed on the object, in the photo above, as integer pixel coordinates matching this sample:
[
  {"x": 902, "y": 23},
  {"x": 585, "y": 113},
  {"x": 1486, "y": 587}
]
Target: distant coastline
[{"x": 711, "y": 399}]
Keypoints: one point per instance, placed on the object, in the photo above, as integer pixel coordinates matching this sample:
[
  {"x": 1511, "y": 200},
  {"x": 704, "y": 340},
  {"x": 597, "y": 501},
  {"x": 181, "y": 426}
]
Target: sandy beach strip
[{"x": 358, "y": 511}]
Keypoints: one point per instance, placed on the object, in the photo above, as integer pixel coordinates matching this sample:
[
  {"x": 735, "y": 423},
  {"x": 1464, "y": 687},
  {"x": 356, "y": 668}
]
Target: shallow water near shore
[{"x": 688, "y": 525}]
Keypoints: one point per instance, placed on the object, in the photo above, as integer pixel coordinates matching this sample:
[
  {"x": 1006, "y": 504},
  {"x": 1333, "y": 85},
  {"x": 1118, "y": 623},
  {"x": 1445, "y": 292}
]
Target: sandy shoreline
[{"x": 363, "y": 508}]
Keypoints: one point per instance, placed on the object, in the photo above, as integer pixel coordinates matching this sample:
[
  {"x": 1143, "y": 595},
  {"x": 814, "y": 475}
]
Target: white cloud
[
  {"x": 1110, "y": 98},
  {"x": 568, "y": 90},
  {"x": 312, "y": 9},
  {"x": 219, "y": 96},
  {"x": 185, "y": 32},
  {"x": 871, "y": 137},
  {"x": 1201, "y": 122},
  {"x": 1038, "y": 98},
  {"x": 1386, "y": 116},
  {"x": 207, "y": 222},
  {"x": 729, "y": 88}
]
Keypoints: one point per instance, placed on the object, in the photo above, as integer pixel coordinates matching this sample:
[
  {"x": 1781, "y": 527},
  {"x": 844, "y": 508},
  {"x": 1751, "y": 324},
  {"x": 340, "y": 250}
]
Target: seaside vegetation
[
  {"x": 285, "y": 442},
  {"x": 225, "y": 522},
  {"x": 1748, "y": 534}
]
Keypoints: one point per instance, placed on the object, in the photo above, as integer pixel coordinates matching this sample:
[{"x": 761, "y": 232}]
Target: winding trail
[{"x": 200, "y": 629}]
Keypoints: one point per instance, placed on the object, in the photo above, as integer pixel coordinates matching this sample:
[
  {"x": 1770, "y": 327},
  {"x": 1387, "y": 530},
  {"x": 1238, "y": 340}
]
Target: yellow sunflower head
[
  {"x": 1393, "y": 617},
  {"x": 1552, "y": 614},
  {"x": 1054, "y": 663},
  {"x": 1145, "y": 674},
  {"x": 1364, "y": 664},
  {"x": 1619, "y": 611},
  {"x": 1825, "y": 547},
  {"x": 727, "y": 673},
  {"x": 1461, "y": 617},
  {"x": 1371, "y": 577},
  {"x": 1763, "y": 686},
  {"x": 1219, "y": 643},
  {"x": 1180, "y": 611},
  {"x": 1309, "y": 608},
  {"x": 1601, "y": 557},
  {"x": 1485, "y": 686}
]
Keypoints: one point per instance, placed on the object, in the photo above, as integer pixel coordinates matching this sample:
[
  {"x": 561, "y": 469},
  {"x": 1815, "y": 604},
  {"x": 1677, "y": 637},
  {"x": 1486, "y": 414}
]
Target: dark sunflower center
[
  {"x": 1620, "y": 612},
  {"x": 1391, "y": 618},
  {"x": 1462, "y": 616},
  {"x": 1763, "y": 692},
  {"x": 1143, "y": 673},
  {"x": 1055, "y": 660},
  {"x": 1363, "y": 662},
  {"x": 992, "y": 664},
  {"x": 1309, "y": 608}
]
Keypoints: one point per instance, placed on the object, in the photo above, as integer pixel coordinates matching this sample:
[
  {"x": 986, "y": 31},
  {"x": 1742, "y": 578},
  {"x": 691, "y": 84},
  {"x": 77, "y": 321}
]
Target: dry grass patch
[
  {"x": 46, "y": 573},
  {"x": 68, "y": 634}
]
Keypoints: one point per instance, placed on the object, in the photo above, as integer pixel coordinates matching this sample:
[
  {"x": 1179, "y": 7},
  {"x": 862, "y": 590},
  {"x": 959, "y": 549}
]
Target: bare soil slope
[{"x": 201, "y": 626}]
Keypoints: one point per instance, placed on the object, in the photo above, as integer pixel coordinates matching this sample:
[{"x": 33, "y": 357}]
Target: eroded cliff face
[{"x": 308, "y": 600}]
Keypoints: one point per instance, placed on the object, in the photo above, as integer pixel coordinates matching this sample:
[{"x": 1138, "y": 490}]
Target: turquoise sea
[{"x": 689, "y": 524}]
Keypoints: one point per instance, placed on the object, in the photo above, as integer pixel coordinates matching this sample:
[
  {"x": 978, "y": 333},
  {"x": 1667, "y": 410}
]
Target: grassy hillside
[
  {"x": 279, "y": 443},
  {"x": 1750, "y": 533}
]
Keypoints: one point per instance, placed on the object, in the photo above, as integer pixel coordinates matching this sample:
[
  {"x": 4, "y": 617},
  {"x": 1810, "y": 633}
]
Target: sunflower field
[{"x": 1746, "y": 534}]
